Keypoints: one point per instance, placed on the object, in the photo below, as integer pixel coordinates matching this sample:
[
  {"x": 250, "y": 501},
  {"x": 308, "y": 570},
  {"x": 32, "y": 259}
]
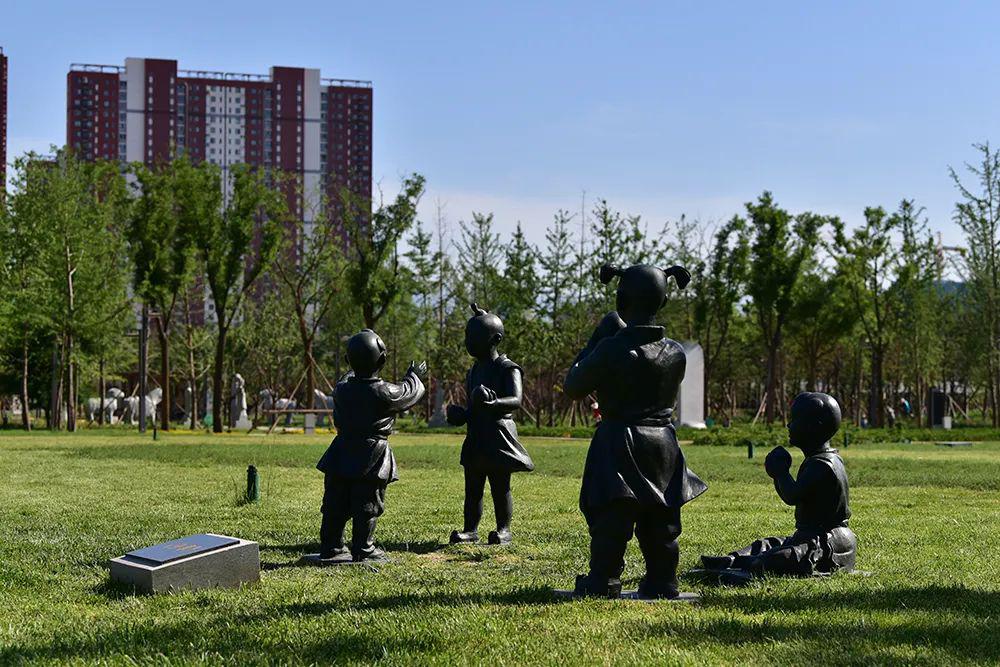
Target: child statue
[
  {"x": 822, "y": 541},
  {"x": 359, "y": 465},
  {"x": 491, "y": 449},
  {"x": 635, "y": 478}
]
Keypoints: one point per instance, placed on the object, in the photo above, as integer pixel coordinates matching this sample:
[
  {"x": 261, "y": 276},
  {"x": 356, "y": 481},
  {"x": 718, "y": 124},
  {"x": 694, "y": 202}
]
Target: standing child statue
[
  {"x": 635, "y": 478},
  {"x": 491, "y": 449},
  {"x": 359, "y": 465},
  {"x": 822, "y": 541}
]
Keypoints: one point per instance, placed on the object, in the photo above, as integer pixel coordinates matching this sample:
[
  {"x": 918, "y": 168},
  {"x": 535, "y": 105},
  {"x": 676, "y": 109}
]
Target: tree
[
  {"x": 374, "y": 276},
  {"x": 780, "y": 249},
  {"x": 480, "y": 253},
  {"x": 717, "y": 287},
  {"x": 21, "y": 305},
  {"x": 917, "y": 290},
  {"x": 311, "y": 277},
  {"x": 235, "y": 244},
  {"x": 978, "y": 215},
  {"x": 161, "y": 247},
  {"x": 868, "y": 260},
  {"x": 77, "y": 211}
]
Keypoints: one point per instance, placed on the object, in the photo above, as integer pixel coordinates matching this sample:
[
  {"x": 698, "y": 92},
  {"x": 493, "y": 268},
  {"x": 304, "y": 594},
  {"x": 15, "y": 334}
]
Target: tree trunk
[
  {"x": 25, "y": 412},
  {"x": 161, "y": 330},
  {"x": 876, "y": 400},
  {"x": 101, "y": 389},
  {"x": 771, "y": 384},
  {"x": 55, "y": 394},
  {"x": 70, "y": 386},
  {"x": 217, "y": 381}
]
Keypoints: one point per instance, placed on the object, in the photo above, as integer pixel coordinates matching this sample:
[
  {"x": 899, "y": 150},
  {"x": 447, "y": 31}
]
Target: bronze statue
[
  {"x": 635, "y": 478},
  {"x": 822, "y": 541},
  {"x": 359, "y": 465},
  {"x": 491, "y": 449}
]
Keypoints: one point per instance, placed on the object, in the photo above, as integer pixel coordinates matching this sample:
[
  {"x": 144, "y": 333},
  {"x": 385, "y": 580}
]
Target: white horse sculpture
[
  {"x": 131, "y": 414},
  {"x": 110, "y": 404},
  {"x": 268, "y": 402}
]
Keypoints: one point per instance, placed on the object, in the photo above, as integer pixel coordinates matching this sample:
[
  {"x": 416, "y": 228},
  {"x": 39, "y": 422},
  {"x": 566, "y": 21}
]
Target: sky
[{"x": 523, "y": 108}]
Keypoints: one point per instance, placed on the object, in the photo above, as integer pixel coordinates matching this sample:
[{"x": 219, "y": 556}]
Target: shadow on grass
[
  {"x": 392, "y": 546},
  {"x": 530, "y": 596},
  {"x": 241, "y": 643},
  {"x": 839, "y": 625},
  {"x": 929, "y": 622},
  {"x": 239, "y": 633}
]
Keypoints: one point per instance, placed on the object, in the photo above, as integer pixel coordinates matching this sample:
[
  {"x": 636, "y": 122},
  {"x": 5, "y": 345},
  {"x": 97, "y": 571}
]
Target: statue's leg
[
  {"x": 367, "y": 505},
  {"x": 744, "y": 558},
  {"x": 503, "y": 499},
  {"x": 610, "y": 530},
  {"x": 475, "y": 484},
  {"x": 796, "y": 555},
  {"x": 336, "y": 511},
  {"x": 657, "y": 531}
]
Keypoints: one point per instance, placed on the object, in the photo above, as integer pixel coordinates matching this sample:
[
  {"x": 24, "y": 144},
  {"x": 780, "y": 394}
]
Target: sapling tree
[{"x": 235, "y": 242}]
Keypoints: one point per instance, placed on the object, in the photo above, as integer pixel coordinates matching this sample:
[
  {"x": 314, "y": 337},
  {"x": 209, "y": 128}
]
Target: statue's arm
[
  {"x": 458, "y": 415},
  {"x": 406, "y": 394},
  {"x": 512, "y": 401},
  {"x": 585, "y": 374},
  {"x": 811, "y": 481}
]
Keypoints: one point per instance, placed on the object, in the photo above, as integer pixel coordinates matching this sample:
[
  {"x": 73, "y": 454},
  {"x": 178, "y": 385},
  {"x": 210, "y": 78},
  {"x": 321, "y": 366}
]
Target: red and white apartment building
[{"x": 290, "y": 119}]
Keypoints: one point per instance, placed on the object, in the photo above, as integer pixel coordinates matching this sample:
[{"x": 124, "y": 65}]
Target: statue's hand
[
  {"x": 482, "y": 395},
  {"x": 456, "y": 415},
  {"x": 609, "y": 325},
  {"x": 777, "y": 462},
  {"x": 420, "y": 370}
]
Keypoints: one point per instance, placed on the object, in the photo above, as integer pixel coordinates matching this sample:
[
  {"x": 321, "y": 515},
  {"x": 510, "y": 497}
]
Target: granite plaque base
[
  {"x": 632, "y": 595},
  {"x": 190, "y": 563}
]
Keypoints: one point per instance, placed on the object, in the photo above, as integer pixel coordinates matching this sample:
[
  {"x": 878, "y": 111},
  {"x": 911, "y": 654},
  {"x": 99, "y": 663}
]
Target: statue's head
[
  {"x": 366, "y": 353},
  {"x": 815, "y": 419},
  {"x": 642, "y": 289},
  {"x": 483, "y": 332}
]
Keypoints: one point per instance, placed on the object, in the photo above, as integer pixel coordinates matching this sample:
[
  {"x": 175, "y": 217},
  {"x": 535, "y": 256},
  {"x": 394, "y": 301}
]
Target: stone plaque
[
  {"x": 189, "y": 563},
  {"x": 186, "y": 546}
]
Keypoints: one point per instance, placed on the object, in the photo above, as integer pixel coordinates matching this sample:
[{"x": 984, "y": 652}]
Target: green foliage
[{"x": 374, "y": 274}]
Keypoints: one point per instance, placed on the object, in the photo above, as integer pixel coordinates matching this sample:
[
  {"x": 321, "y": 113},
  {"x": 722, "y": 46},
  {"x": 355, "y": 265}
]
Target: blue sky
[{"x": 662, "y": 108}]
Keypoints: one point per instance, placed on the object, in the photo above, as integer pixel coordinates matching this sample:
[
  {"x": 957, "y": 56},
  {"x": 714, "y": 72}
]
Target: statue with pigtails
[
  {"x": 635, "y": 479},
  {"x": 491, "y": 450}
]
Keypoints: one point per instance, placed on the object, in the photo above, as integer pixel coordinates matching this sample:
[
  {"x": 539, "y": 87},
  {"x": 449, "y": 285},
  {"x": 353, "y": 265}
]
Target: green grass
[{"x": 928, "y": 521}]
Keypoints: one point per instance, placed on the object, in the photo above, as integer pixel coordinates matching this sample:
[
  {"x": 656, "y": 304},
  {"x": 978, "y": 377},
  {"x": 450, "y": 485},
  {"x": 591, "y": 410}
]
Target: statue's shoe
[
  {"x": 335, "y": 554},
  {"x": 656, "y": 591},
  {"x": 588, "y": 586},
  {"x": 458, "y": 537},
  {"x": 374, "y": 555},
  {"x": 717, "y": 562},
  {"x": 500, "y": 537}
]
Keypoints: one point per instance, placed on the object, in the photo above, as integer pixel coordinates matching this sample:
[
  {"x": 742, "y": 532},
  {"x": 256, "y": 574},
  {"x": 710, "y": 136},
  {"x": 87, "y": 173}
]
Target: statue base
[
  {"x": 630, "y": 595},
  {"x": 343, "y": 559}
]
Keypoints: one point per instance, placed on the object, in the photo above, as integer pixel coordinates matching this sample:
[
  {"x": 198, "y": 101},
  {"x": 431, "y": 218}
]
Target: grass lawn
[{"x": 927, "y": 519}]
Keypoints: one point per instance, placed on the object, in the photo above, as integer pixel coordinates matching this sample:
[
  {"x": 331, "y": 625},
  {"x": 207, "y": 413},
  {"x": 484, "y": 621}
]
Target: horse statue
[
  {"x": 110, "y": 404},
  {"x": 269, "y": 402},
  {"x": 131, "y": 413}
]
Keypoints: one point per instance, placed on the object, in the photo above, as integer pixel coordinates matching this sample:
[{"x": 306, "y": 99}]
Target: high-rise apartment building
[
  {"x": 290, "y": 120},
  {"x": 3, "y": 120}
]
